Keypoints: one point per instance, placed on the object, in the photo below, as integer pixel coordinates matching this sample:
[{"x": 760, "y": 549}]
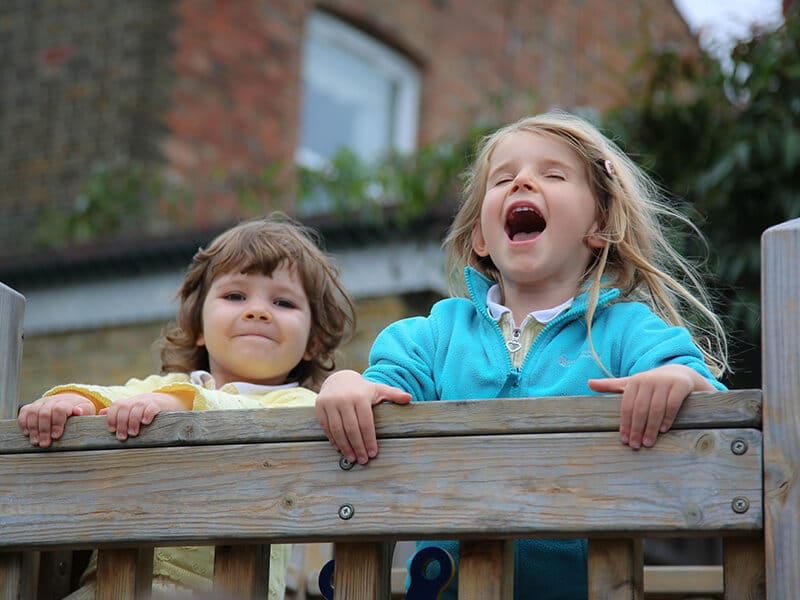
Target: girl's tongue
[{"x": 524, "y": 223}]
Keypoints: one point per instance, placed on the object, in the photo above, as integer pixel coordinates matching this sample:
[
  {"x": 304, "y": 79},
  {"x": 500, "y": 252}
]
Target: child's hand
[
  {"x": 126, "y": 416},
  {"x": 43, "y": 420},
  {"x": 651, "y": 400},
  {"x": 344, "y": 409}
]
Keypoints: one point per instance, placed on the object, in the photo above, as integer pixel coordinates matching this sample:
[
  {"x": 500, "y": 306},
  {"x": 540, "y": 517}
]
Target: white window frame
[{"x": 393, "y": 64}]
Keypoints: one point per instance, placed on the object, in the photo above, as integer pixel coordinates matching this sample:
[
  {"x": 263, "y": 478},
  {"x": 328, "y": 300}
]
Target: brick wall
[
  {"x": 212, "y": 85},
  {"x": 81, "y": 81}
]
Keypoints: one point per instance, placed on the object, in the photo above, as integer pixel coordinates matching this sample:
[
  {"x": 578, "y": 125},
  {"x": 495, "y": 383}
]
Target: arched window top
[{"x": 358, "y": 93}]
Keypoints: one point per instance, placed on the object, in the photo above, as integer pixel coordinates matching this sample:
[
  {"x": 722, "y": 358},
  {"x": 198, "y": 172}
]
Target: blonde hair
[
  {"x": 637, "y": 257},
  {"x": 261, "y": 246}
]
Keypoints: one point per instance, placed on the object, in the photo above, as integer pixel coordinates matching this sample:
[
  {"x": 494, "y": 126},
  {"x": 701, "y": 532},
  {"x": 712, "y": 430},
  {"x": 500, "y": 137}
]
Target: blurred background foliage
[{"x": 722, "y": 138}]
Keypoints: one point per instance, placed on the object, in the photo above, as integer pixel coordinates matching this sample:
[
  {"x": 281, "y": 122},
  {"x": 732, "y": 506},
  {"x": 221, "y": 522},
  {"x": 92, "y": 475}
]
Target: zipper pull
[{"x": 514, "y": 344}]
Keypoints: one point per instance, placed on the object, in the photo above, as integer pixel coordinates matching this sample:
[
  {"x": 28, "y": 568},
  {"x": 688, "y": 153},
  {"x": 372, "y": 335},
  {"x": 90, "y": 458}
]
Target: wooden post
[
  {"x": 616, "y": 569},
  {"x": 362, "y": 571},
  {"x": 12, "y": 308},
  {"x": 242, "y": 571},
  {"x": 124, "y": 574},
  {"x": 486, "y": 570},
  {"x": 780, "y": 317}
]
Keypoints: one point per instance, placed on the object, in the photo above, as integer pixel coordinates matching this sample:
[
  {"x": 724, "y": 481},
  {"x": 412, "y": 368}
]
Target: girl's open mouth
[{"x": 524, "y": 223}]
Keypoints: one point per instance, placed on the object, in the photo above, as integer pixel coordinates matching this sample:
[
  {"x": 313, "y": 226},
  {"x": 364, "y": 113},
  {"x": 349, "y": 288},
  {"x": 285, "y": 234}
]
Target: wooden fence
[{"x": 481, "y": 472}]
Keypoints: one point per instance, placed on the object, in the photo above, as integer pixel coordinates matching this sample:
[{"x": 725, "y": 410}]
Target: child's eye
[
  {"x": 234, "y": 296},
  {"x": 284, "y": 303},
  {"x": 555, "y": 175},
  {"x": 503, "y": 181}
]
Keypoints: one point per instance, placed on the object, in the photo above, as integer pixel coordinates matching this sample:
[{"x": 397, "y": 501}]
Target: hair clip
[{"x": 609, "y": 168}]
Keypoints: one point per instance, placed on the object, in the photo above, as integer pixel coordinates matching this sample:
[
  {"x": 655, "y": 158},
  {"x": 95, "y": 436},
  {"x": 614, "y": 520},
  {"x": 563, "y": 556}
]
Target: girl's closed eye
[{"x": 283, "y": 303}]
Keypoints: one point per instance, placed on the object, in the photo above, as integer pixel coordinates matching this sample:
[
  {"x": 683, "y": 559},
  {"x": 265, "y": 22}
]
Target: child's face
[
  {"x": 256, "y": 328},
  {"x": 538, "y": 214}
]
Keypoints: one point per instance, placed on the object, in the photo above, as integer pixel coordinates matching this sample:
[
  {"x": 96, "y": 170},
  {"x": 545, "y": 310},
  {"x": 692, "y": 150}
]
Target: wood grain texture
[
  {"x": 124, "y": 573},
  {"x": 780, "y": 314},
  {"x": 743, "y": 568},
  {"x": 616, "y": 569},
  {"x": 486, "y": 570},
  {"x": 242, "y": 571},
  {"x": 362, "y": 571},
  {"x": 421, "y": 488},
  {"x": 424, "y": 419},
  {"x": 12, "y": 308}
]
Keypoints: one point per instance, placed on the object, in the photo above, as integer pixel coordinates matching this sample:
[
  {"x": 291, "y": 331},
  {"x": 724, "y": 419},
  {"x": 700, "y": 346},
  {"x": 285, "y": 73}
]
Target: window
[{"x": 357, "y": 93}]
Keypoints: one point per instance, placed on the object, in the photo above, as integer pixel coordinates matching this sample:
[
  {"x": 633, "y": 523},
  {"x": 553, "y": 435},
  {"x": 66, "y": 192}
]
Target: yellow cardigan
[{"x": 185, "y": 568}]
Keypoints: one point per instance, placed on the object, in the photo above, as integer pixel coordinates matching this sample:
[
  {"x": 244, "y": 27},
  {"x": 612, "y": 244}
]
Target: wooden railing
[{"x": 482, "y": 472}]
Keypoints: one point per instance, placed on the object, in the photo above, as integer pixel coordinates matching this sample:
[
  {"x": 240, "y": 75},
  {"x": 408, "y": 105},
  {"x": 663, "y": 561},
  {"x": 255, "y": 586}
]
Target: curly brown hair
[{"x": 261, "y": 246}]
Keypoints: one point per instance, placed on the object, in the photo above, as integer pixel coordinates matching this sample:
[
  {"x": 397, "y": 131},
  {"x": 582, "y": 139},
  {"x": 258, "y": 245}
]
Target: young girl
[
  {"x": 261, "y": 313},
  {"x": 572, "y": 288}
]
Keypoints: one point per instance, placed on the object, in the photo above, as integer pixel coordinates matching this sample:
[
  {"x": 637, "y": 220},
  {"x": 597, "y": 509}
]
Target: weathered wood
[
  {"x": 362, "y": 571},
  {"x": 743, "y": 561},
  {"x": 10, "y": 574},
  {"x": 553, "y": 484},
  {"x": 12, "y": 307},
  {"x": 486, "y": 570},
  {"x": 616, "y": 569},
  {"x": 124, "y": 573},
  {"x": 734, "y": 409},
  {"x": 242, "y": 571},
  {"x": 780, "y": 314}
]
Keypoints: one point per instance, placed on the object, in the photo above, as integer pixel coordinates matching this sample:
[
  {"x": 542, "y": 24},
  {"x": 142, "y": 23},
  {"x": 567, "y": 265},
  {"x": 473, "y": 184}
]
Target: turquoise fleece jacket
[{"x": 458, "y": 352}]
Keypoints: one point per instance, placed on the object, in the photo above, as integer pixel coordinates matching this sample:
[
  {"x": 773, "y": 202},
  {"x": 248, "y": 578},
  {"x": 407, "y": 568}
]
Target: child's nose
[
  {"x": 524, "y": 181},
  {"x": 258, "y": 314}
]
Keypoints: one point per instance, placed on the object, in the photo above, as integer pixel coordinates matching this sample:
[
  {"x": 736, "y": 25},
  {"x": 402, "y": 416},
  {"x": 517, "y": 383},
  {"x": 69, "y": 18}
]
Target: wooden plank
[
  {"x": 743, "y": 561},
  {"x": 616, "y": 569},
  {"x": 780, "y": 314},
  {"x": 554, "y": 484},
  {"x": 683, "y": 579},
  {"x": 486, "y": 570},
  {"x": 362, "y": 571},
  {"x": 12, "y": 307},
  {"x": 124, "y": 573},
  {"x": 10, "y": 574},
  {"x": 242, "y": 571},
  {"x": 734, "y": 409}
]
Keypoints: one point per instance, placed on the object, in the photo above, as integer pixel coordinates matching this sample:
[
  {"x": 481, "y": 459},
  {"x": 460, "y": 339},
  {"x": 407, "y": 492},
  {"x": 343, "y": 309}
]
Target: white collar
[
  {"x": 206, "y": 380},
  {"x": 496, "y": 309}
]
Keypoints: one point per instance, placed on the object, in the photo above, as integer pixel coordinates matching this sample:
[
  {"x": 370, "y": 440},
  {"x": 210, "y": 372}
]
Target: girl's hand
[
  {"x": 43, "y": 420},
  {"x": 344, "y": 409},
  {"x": 651, "y": 400},
  {"x": 126, "y": 416}
]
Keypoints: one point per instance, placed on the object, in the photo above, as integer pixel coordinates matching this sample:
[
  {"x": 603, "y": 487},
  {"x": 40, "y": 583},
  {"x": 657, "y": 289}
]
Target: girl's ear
[
  {"x": 594, "y": 237},
  {"x": 200, "y": 341},
  {"x": 478, "y": 241}
]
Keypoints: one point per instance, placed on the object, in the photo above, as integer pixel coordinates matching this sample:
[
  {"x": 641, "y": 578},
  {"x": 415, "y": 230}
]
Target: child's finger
[
  {"x": 366, "y": 424},
  {"x": 352, "y": 429},
  {"x": 135, "y": 419},
  {"x": 391, "y": 394},
  {"x": 150, "y": 413},
  {"x": 612, "y": 385},
  {"x": 640, "y": 403},
  {"x": 655, "y": 416},
  {"x": 674, "y": 402}
]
